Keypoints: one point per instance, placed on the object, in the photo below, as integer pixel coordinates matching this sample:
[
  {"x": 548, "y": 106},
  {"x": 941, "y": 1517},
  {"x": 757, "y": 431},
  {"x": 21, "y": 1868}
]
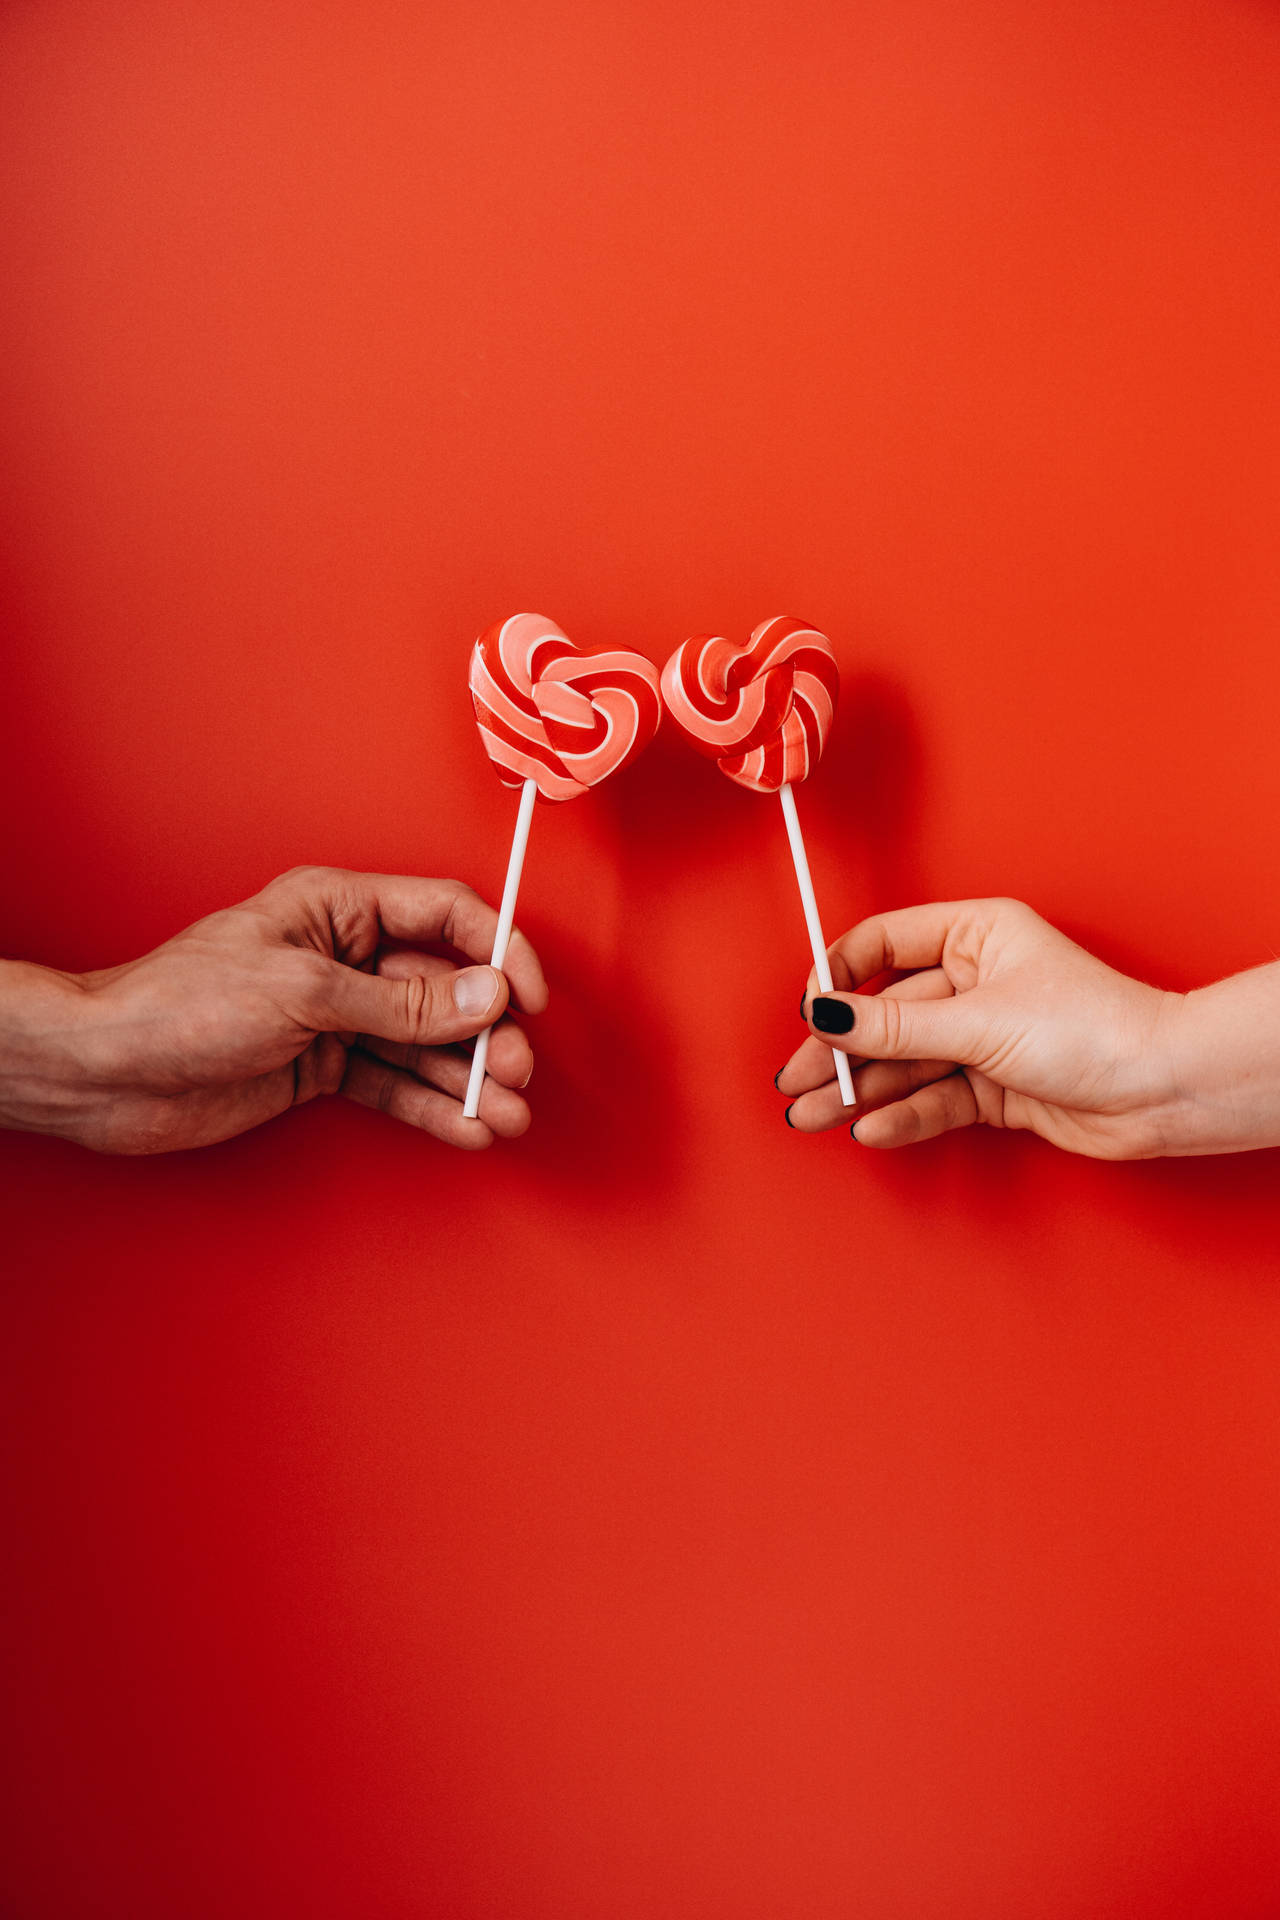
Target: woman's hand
[
  {"x": 267, "y": 1004},
  {"x": 1000, "y": 1018}
]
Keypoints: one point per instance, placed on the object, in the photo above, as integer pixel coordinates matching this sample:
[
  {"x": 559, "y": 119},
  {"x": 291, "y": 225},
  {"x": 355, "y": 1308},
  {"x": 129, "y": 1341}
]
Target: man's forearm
[{"x": 42, "y": 1048}]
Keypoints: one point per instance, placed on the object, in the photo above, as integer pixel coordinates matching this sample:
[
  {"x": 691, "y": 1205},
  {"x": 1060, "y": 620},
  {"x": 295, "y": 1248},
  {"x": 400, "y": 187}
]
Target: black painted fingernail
[
  {"x": 831, "y": 1016},
  {"x": 777, "y": 1076},
  {"x": 786, "y": 1114},
  {"x": 853, "y": 1132},
  {"x": 803, "y": 1014}
]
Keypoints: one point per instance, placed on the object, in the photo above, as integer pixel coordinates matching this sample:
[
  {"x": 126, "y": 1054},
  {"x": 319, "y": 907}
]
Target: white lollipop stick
[
  {"x": 811, "y": 920},
  {"x": 501, "y": 939}
]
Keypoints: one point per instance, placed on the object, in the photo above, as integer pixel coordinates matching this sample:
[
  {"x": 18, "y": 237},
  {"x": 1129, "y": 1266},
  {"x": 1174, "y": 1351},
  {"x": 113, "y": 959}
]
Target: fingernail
[
  {"x": 853, "y": 1132},
  {"x": 528, "y": 1077},
  {"x": 803, "y": 1014},
  {"x": 831, "y": 1016},
  {"x": 777, "y": 1076},
  {"x": 786, "y": 1114},
  {"x": 473, "y": 991}
]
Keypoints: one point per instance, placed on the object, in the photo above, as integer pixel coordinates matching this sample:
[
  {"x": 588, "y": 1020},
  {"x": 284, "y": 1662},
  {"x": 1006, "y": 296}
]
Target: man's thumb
[{"x": 420, "y": 1010}]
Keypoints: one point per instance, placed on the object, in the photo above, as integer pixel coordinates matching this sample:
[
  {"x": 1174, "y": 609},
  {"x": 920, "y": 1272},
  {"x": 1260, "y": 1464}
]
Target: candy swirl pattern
[
  {"x": 762, "y": 711},
  {"x": 551, "y": 714}
]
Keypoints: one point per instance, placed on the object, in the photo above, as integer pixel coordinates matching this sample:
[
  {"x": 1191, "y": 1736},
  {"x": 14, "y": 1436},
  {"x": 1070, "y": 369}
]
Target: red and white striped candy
[
  {"x": 548, "y": 713},
  {"x": 762, "y": 711}
]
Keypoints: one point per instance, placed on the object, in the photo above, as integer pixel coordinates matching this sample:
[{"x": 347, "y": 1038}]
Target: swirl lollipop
[
  {"x": 554, "y": 722},
  {"x": 762, "y": 712}
]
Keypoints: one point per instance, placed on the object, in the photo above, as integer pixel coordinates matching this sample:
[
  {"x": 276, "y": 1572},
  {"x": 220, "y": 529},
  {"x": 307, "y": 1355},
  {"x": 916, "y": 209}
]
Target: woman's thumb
[{"x": 882, "y": 1027}]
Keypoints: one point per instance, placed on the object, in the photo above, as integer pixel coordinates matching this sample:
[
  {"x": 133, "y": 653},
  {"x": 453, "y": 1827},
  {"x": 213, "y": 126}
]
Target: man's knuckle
[
  {"x": 461, "y": 899},
  {"x": 420, "y": 1007}
]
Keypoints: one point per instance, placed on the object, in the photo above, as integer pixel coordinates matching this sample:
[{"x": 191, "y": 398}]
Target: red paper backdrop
[{"x": 670, "y": 1514}]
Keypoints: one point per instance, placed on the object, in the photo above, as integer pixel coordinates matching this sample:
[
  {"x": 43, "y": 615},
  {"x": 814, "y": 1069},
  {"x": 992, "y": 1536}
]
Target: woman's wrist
[
  {"x": 1225, "y": 1067},
  {"x": 45, "y": 1047}
]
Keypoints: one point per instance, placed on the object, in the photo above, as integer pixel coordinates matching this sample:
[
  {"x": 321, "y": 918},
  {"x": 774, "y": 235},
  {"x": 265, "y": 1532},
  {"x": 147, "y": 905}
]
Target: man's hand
[{"x": 267, "y": 1004}]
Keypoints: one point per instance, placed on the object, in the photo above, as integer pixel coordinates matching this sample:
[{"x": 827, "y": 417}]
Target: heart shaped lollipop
[
  {"x": 554, "y": 722},
  {"x": 762, "y": 712},
  {"x": 563, "y": 719}
]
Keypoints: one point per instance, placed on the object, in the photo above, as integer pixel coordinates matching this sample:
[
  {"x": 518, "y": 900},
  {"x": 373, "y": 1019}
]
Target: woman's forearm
[{"x": 1226, "y": 1066}]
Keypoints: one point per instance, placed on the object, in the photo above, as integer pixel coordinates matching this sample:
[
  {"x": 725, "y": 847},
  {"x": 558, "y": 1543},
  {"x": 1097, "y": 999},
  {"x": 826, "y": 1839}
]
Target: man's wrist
[{"x": 44, "y": 1048}]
